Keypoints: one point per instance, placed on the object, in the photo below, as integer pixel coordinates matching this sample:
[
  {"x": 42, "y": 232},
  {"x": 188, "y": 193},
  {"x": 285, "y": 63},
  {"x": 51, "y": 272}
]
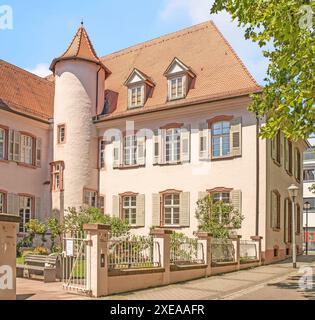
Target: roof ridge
[
  {"x": 157, "y": 40},
  {"x": 20, "y": 69}
]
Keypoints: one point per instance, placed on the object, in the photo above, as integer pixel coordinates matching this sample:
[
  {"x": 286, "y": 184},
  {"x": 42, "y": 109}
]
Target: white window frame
[
  {"x": 138, "y": 93},
  {"x": 2, "y": 202},
  {"x": 3, "y": 143},
  {"x": 172, "y": 208},
  {"x": 130, "y": 150},
  {"x": 25, "y": 211},
  {"x": 175, "y": 80},
  {"x": 61, "y": 134},
  {"x": 27, "y": 146},
  {"x": 88, "y": 198},
  {"x": 222, "y": 135},
  {"x": 129, "y": 207},
  {"x": 172, "y": 145},
  {"x": 222, "y": 197}
]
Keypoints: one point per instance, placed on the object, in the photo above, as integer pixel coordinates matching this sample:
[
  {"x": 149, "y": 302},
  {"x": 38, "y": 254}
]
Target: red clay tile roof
[
  {"x": 25, "y": 92},
  {"x": 80, "y": 48},
  {"x": 219, "y": 71}
]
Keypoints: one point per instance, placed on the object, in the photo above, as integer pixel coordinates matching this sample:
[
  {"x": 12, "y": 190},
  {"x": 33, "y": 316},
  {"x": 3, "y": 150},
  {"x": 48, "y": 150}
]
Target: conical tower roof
[{"x": 80, "y": 48}]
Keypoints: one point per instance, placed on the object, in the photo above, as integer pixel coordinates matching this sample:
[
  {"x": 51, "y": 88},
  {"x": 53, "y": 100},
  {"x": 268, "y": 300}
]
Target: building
[
  {"x": 144, "y": 133},
  {"x": 309, "y": 180}
]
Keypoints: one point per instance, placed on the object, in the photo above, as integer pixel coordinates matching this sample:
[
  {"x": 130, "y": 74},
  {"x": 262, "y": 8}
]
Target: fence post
[
  {"x": 163, "y": 237},
  {"x": 97, "y": 266},
  {"x": 237, "y": 245},
  {"x": 8, "y": 256},
  {"x": 204, "y": 238},
  {"x": 258, "y": 239}
]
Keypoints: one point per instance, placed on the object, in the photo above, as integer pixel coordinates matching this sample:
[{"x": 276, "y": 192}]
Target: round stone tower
[{"x": 79, "y": 93}]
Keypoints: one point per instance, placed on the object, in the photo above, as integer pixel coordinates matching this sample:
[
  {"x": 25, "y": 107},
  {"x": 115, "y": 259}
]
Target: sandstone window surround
[
  {"x": 61, "y": 134},
  {"x": 3, "y": 201},
  {"x": 220, "y": 138},
  {"x": 171, "y": 209},
  {"x": 287, "y": 220},
  {"x": 4, "y": 143},
  {"x": 130, "y": 207},
  {"x": 57, "y": 176},
  {"x": 275, "y": 210},
  {"x": 26, "y": 210}
]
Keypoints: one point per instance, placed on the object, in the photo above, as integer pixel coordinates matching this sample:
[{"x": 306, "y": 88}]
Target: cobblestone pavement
[{"x": 278, "y": 281}]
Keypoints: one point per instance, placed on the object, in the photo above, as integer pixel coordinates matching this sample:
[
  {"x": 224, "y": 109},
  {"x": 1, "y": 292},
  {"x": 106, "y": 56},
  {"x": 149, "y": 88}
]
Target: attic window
[
  {"x": 136, "y": 96},
  {"x": 177, "y": 88}
]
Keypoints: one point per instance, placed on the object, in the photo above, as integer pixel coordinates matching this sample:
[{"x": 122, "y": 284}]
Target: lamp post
[
  {"x": 293, "y": 192},
  {"x": 307, "y": 207}
]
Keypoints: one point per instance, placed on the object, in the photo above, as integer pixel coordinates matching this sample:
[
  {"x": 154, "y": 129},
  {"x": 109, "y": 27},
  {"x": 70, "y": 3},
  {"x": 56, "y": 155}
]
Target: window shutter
[
  {"x": 185, "y": 85},
  {"x": 185, "y": 144},
  {"x": 273, "y": 149},
  {"x": 204, "y": 140},
  {"x": 141, "y": 210},
  {"x": 286, "y": 154},
  {"x": 141, "y": 150},
  {"x": 295, "y": 164},
  {"x": 282, "y": 142},
  {"x": 236, "y": 200},
  {"x": 236, "y": 137},
  {"x": 101, "y": 203},
  {"x": 37, "y": 208},
  {"x": 11, "y": 145},
  {"x": 13, "y": 204},
  {"x": 156, "y": 147},
  {"x": 162, "y": 146},
  {"x": 38, "y": 152},
  {"x": 184, "y": 214},
  {"x": 16, "y": 149},
  {"x": 115, "y": 207},
  {"x": 202, "y": 195},
  {"x": 116, "y": 154},
  {"x": 156, "y": 210}
]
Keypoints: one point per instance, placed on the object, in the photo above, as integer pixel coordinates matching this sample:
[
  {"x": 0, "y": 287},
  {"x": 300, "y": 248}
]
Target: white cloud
[
  {"x": 41, "y": 69},
  {"x": 198, "y": 11}
]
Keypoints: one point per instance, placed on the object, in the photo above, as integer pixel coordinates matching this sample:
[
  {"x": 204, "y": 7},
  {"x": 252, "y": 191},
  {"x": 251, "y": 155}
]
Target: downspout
[
  {"x": 257, "y": 174},
  {"x": 98, "y": 142}
]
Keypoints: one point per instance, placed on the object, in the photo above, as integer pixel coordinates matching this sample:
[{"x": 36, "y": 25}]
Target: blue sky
[{"x": 43, "y": 29}]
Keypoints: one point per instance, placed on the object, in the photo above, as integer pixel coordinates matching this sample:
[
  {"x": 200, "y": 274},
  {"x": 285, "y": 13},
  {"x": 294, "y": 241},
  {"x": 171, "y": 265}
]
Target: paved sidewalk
[{"x": 277, "y": 281}]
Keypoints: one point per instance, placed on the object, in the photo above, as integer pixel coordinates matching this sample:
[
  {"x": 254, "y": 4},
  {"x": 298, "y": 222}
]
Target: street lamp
[
  {"x": 293, "y": 192},
  {"x": 307, "y": 207}
]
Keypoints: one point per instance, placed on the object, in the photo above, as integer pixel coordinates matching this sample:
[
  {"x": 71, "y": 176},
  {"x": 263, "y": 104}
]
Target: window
[
  {"x": 297, "y": 164},
  {"x": 298, "y": 219},
  {"x": 221, "y": 196},
  {"x": 27, "y": 145},
  {"x": 57, "y": 176},
  {"x": 3, "y": 144},
  {"x": 176, "y": 88},
  {"x": 287, "y": 220},
  {"x": 26, "y": 208},
  {"x": 276, "y": 148},
  {"x": 290, "y": 156},
  {"x": 172, "y": 145},
  {"x": 102, "y": 153},
  {"x": 136, "y": 97},
  {"x": 309, "y": 175},
  {"x": 90, "y": 198},
  {"x": 130, "y": 150},
  {"x": 275, "y": 209},
  {"x": 3, "y": 202},
  {"x": 61, "y": 134},
  {"x": 221, "y": 139},
  {"x": 171, "y": 204},
  {"x": 129, "y": 207}
]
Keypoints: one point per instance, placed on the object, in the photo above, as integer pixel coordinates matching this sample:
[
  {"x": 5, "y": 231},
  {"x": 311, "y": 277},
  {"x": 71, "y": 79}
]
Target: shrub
[{"x": 41, "y": 251}]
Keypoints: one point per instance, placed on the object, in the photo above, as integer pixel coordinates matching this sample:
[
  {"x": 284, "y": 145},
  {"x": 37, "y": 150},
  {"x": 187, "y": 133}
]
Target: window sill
[
  {"x": 169, "y": 164},
  {"x": 289, "y": 173},
  {"x": 25, "y": 165},
  {"x": 129, "y": 167},
  {"x": 278, "y": 164},
  {"x": 224, "y": 158},
  {"x": 276, "y": 229},
  {"x": 173, "y": 227},
  {"x": 4, "y": 161}
]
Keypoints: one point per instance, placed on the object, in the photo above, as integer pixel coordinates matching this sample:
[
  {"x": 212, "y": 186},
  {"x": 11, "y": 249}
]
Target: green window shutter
[
  {"x": 204, "y": 140},
  {"x": 141, "y": 150},
  {"x": 236, "y": 200},
  {"x": 16, "y": 149},
  {"x": 13, "y": 204},
  {"x": 37, "y": 213},
  {"x": 185, "y": 144},
  {"x": 156, "y": 210},
  {"x": 38, "y": 152},
  {"x": 141, "y": 210},
  {"x": 115, "y": 208},
  {"x": 184, "y": 214},
  {"x": 236, "y": 137}
]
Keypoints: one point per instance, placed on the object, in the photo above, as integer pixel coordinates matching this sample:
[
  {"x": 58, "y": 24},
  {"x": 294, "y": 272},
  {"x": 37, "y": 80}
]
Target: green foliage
[
  {"x": 34, "y": 227},
  {"x": 312, "y": 188},
  {"x": 41, "y": 251},
  {"x": 75, "y": 220},
  {"x": 56, "y": 230},
  {"x": 217, "y": 217},
  {"x": 279, "y": 26}
]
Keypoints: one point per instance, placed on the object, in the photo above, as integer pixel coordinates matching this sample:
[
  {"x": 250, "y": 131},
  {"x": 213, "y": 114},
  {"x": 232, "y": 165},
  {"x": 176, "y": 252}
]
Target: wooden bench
[{"x": 39, "y": 267}]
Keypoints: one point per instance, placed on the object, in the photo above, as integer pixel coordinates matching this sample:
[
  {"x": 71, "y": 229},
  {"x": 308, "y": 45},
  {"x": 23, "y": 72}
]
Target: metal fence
[
  {"x": 222, "y": 250},
  {"x": 133, "y": 252},
  {"x": 248, "y": 250},
  {"x": 186, "y": 252},
  {"x": 75, "y": 273}
]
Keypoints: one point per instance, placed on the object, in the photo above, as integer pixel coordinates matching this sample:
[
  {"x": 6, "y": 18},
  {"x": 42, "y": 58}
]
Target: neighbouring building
[
  {"x": 309, "y": 196},
  {"x": 144, "y": 133}
]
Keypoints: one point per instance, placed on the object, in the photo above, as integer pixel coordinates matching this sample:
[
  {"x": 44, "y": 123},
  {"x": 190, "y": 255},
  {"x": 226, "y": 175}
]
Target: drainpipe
[
  {"x": 98, "y": 144},
  {"x": 257, "y": 173}
]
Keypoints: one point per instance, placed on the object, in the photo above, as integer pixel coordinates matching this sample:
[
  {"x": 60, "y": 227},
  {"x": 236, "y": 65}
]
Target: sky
[{"x": 42, "y": 30}]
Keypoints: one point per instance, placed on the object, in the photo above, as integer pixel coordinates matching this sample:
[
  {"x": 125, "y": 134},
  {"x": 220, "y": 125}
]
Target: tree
[
  {"x": 217, "y": 217},
  {"x": 287, "y": 100},
  {"x": 34, "y": 227},
  {"x": 56, "y": 230}
]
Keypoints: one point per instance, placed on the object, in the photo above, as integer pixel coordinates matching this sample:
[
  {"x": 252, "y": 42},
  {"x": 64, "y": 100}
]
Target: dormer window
[
  {"x": 179, "y": 78},
  {"x": 139, "y": 87}
]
